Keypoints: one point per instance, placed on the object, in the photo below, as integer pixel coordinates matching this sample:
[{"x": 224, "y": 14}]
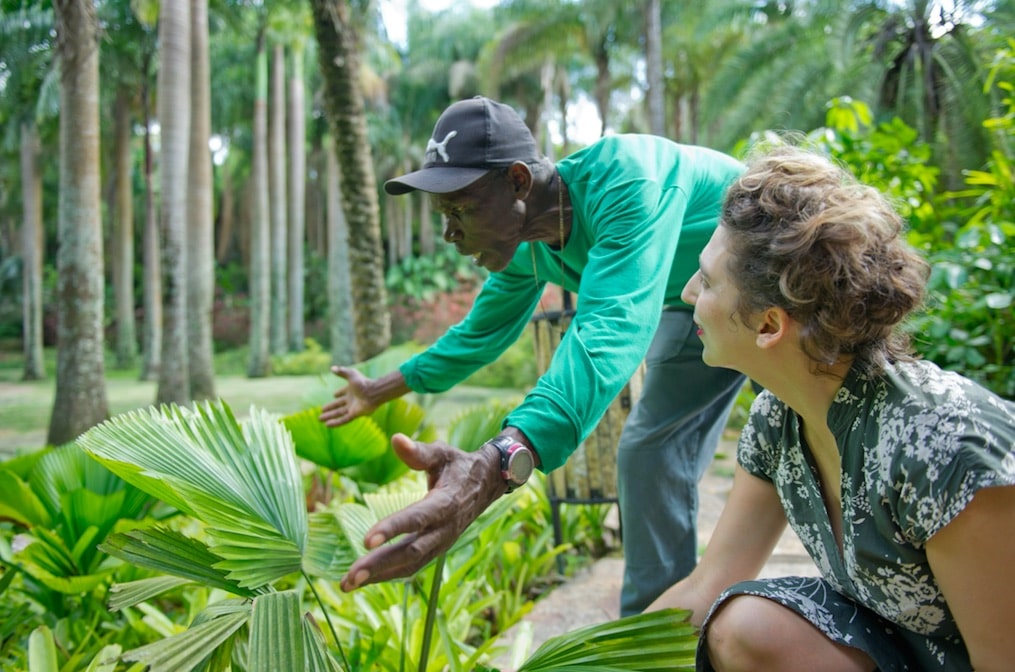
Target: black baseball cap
[{"x": 471, "y": 138}]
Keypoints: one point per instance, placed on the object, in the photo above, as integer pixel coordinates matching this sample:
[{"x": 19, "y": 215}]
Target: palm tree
[
  {"x": 655, "y": 96},
  {"x": 779, "y": 68},
  {"x": 600, "y": 32},
  {"x": 259, "y": 363},
  {"x": 26, "y": 55},
  {"x": 278, "y": 320},
  {"x": 80, "y": 400},
  {"x": 297, "y": 195},
  {"x": 151, "y": 250},
  {"x": 200, "y": 224},
  {"x": 340, "y": 309},
  {"x": 343, "y": 102},
  {"x": 920, "y": 60},
  {"x": 931, "y": 66},
  {"x": 122, "y": 235},
  {"x": 123, "y": 59},
  {"x": 174, "y": 121},
  {"x": 32, "y": 245}
]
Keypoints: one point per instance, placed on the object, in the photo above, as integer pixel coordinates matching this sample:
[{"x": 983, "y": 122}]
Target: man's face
[{"x": 483, "y": 220}]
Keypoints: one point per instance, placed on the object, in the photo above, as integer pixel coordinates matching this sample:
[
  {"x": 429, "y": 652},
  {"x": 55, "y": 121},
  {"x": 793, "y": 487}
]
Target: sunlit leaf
[{"x": 335, "y": 447}]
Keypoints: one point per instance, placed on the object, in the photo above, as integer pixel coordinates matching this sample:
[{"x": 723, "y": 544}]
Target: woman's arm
[
  {"x": 748, "y": 529},
  {"x": 972, "y": 559}
]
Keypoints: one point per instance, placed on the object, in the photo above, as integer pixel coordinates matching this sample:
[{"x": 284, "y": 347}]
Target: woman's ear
[{"x": 773, "y": 327}]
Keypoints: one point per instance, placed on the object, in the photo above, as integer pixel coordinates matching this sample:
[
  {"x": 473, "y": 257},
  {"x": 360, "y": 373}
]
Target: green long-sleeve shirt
[{"x": 643, "y": 208}]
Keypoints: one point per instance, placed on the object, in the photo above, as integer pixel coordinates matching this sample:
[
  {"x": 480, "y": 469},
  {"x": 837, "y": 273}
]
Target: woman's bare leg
[{"x": 754, "y": 633}]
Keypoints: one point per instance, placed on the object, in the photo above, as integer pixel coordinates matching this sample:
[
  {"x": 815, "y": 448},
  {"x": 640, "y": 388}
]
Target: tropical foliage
[{"x": 252, "y": 572}]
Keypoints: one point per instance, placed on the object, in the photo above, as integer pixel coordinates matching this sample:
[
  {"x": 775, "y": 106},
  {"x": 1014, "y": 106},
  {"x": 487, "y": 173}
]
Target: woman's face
[{"x": 728, "y": 342}]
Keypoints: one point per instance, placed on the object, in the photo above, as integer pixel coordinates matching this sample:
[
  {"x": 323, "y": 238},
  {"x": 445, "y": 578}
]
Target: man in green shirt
[{"x": 621, "y": 224}]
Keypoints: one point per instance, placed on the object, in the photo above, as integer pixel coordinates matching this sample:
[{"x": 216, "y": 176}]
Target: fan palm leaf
[
  {"x": 243, "y": 482},
  {"x": 335, "y": 447},
  {"x": 658, "y": 640},
  {"x": 395, "y": 417}
]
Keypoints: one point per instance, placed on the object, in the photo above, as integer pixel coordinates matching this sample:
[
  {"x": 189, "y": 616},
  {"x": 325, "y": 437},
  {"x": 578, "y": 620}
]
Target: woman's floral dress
[{"x": 916, "y": 444}]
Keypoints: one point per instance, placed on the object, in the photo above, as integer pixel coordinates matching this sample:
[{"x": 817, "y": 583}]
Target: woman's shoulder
[
  {"x": 923, "y": 388},
  {"x": 933, "y": 441}
]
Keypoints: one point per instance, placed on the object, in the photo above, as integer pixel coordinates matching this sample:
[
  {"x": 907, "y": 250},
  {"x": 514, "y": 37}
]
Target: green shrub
[
  {"x": 968, "y": 324},
  {"x": 311, "y": 360},
  {"x": 514, "y": 370}
]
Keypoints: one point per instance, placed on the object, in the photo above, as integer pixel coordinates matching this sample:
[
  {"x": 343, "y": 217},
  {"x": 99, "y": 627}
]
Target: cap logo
[{"x": 440, "y": 147}]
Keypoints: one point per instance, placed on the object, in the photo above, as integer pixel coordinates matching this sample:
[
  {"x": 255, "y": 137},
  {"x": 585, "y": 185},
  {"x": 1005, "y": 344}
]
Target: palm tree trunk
[
  {"x": 200, "y": 224},
  {"x": 151, "y": 331},
  {"x": 80, "y": 402},
  {"x": 317, "y": 228},
  {"x": 343, "y": 104},
  {"x": 297, "y": 198},
  {"x": 259, "y": 364},
  {"x": 174, "y": 122},
  {"x": 277, "y": 194},
  {"x": 340, "y": 310},
  {"x": 654, "y": 67},
  {"x": 427, "y": 234},
  {"x": 227, "y": 218},
  {"x": 32, "y": 244},
  {"x": 123, "y": 234}
]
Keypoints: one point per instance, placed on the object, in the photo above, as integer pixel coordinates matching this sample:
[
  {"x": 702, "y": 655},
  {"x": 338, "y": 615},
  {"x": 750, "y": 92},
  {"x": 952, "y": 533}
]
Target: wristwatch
[{"x": 516, "y": 461}]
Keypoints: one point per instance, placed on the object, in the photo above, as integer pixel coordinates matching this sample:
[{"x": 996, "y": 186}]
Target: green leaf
[
  {"x": 106, "y": 659},
  {"x": 48, "y": 560},
  {"x": 189, "y": 649},
  {"x": 474, "y": 426},
  {"x": 659, "y": 640},
  {"x": 328, "y": 553},
  {"x": 335, "y": 447},
  {"x": 42, "y": 651},
  {"x": 122, "y": 595},
  {"x": 319, "y": 658},
  {"x": 254, "y": 559},
  {"x": 20, "y": 503},
  {"x": 170, "y": 552},
  {"x": 244, "y": 482},
  {"x": 399, "y": 416},
  {"x": 276, "y": 633}
]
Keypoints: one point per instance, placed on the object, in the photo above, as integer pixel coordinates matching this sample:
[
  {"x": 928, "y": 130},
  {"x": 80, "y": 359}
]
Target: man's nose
[{"x": 451, "y": 233}]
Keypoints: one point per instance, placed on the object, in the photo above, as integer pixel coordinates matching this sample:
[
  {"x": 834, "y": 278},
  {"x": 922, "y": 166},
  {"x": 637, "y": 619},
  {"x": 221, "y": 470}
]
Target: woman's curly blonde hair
[{"x": 807, "y": 237}]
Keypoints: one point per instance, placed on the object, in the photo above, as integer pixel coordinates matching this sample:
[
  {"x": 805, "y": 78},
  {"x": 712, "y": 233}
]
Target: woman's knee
[
  {"x": 755, "y": 633},
  {"x": 737, "y": 636}
]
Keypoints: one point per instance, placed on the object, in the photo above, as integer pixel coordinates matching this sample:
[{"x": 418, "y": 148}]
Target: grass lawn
[{"x": 26, "y": 407}]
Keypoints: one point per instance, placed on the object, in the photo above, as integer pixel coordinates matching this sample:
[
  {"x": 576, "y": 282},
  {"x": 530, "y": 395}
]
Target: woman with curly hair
[{"x": 897, "y": 476}]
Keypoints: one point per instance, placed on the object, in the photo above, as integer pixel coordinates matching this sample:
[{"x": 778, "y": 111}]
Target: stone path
[{"x": 592, "y": 596}]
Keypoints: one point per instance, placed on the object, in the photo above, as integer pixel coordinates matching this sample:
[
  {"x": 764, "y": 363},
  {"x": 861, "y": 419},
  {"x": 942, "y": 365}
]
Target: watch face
[{"x": 520, "y": 464}]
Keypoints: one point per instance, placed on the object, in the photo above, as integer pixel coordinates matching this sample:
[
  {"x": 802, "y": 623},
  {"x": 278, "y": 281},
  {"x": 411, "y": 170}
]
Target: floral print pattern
[{"x": 916, "y": 443}]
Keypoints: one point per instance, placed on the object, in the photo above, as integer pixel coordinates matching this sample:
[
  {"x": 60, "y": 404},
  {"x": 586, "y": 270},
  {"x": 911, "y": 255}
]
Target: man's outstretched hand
[
  {"x": 461, "y": 486},
  {"x": 351, "y": 401}
]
